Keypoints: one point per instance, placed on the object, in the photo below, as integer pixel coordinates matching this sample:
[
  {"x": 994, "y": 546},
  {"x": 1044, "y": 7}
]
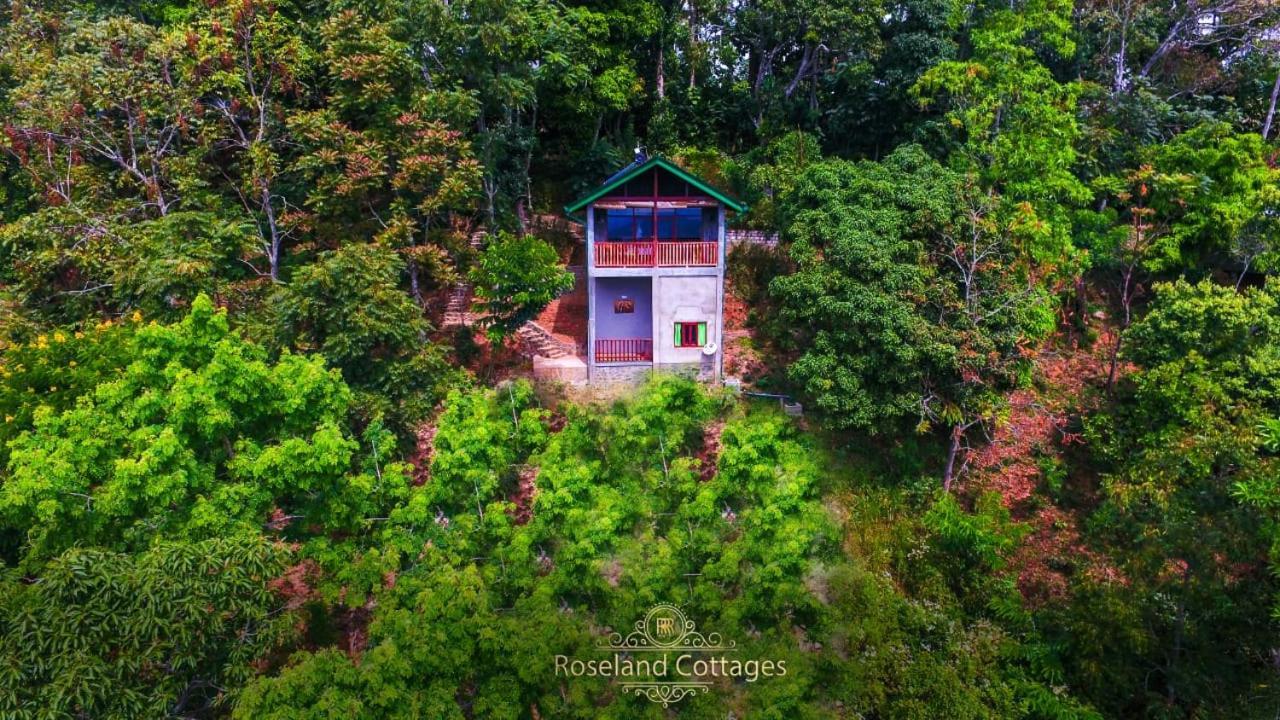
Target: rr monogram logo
[{"x": 666, "y": 626}]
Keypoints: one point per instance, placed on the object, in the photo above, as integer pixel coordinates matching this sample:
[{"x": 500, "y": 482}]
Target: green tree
[
  {"x": 515, "y": 278},
  {"x": 1218, "y": 197},
  {"x": 102, "y": 132},
  {"x": 908, "y": 298},
  {"x": 1182, "y": 451},
  {"x": 246, "y": 62},
  {"x": 195, "y": 436},
  {"x": 384, "y": 158},
  {"x": 349, "y": 307},
  {"x": 858, "y": 238},
  {"x": 1015, "y": 125}
]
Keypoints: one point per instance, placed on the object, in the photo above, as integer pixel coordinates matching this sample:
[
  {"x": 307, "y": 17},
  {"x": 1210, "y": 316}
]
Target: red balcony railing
[
  {"x": 624, "y": 254},
  {"x": 686, "y": 254},
  {"x": 611, "y": 350},
  {"x": 639, "y": 253}
]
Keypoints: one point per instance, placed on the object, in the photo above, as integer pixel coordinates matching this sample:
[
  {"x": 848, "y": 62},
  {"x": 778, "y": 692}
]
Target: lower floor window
[{"x": 691, "y": 334}]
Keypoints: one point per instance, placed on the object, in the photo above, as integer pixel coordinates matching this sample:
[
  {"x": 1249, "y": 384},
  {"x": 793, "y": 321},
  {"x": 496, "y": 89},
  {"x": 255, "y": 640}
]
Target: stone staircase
[
  {"x": 457, "y": 311},
  {"x": 542, "y": 343}
]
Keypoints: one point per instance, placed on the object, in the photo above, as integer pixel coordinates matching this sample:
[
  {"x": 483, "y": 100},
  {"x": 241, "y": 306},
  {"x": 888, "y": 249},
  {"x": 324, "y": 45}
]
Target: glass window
[
  {"x": 629, "y": 224},
  {"x": 643, "y": 224},
  {"x": 690, "y": 334},
  {"x": 689, "y": 223},
  {"x": 620, "y": 225},
  {"x": 666, "y": 224},
  {"x": 638, "y": 224}
]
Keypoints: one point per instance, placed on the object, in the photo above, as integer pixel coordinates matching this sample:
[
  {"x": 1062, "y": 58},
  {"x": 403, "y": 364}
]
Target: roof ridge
[{"x": 636, "y": 167}]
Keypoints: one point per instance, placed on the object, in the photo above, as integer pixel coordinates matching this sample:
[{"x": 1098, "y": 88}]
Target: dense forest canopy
[{"x": 1024, "y": 284}]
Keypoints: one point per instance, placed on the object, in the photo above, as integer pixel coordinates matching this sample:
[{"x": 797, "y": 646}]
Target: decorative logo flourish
[
  {"x": 666, "y": 692},
  {"x": 665, "y": 628}
]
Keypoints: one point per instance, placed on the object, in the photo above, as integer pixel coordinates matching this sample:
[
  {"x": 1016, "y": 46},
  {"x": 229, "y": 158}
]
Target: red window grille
[{"x": 691, "y": 334}]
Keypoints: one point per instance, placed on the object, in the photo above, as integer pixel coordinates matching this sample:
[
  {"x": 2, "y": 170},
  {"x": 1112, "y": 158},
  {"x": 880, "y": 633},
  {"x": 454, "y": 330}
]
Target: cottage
[{"x": 655, "y": 249}]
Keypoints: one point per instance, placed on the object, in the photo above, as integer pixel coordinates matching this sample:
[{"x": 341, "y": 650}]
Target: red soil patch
[
  {"x": 740, "y": 357},
  {"x": 297, "y": 585},
  {"x": 526, "y": 491},
  {"x": 566, "y": 317},
  {"x": 1038, "y": 426},
  {"x": 527, "y": 484},
  {"x": 709, "y": 454},
  {"x": 352, "y": 626},
  {"x": 423, "y": 451},
  {"x": 496, "y": 363},
  {"x": 735, "y": 310}
]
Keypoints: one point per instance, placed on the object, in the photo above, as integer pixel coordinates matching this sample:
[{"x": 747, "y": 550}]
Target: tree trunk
[
  {"x": 1115, "y": 360},
  {"x": 1244, "y": 271},
  {"x": 412, "y": 266},
  {"x": 273, "y": 254},
  {"x": 661, "y": 77},
  {"x": 954, "y": 449},
  {"x": 1271, "y": 109},
  {"x": 528, "y": 169},
  {"x": 805, "y": 59},
  {"x": 1164, "y": 47},
  {"x": 413, "y": 282},
  {"x": 1126, "y": 302},
  {"x": 1118, "y": 81}
]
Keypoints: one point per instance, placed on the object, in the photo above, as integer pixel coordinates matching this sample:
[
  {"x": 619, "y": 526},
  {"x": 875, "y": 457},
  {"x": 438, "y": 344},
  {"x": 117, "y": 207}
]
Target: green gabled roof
[{"x": 620, "y": 179}]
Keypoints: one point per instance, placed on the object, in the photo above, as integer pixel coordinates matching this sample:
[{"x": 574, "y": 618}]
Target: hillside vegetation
[{"x": 1023, "y": 284}]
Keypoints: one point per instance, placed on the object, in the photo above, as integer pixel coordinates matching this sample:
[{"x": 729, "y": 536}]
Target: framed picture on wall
[{"x": 624, "y": 305}]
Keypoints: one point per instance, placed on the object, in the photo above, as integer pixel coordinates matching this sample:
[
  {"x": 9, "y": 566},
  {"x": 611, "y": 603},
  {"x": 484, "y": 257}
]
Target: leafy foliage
[
  {"x": 1184, "y": 493},
  {"x": 173, "y": 630},
  {"x": 195, "y": 435},
  {"x": 515, "y": 278},
  {"x": 907, "y": 296},
  {"x": 624, "y": 516},
  {"x": 950, "y": 183}
]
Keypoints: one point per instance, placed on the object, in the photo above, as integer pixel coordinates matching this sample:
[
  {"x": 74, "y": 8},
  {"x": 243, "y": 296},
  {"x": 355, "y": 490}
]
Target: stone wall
[
  {"x": 631, "y": 374},
  {"x": 638, "y": 373}
]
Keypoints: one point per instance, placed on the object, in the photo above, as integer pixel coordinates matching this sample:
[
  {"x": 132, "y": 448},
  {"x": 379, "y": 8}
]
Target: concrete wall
[
  {"x": 608, "y": 324},
  {"x": 683, "y": 299},
  {"x": 565, "y": 369}
]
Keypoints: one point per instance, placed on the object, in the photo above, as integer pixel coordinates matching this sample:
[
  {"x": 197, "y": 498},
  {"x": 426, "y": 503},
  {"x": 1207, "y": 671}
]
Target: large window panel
[
  {"x": 689, "y": 223},
  {"x": 643, "y": 224},
  {"x": 638, "y": 224}
]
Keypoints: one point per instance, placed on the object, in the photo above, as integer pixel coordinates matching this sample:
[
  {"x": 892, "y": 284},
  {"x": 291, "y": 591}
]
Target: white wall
[{"x": 683, "y": 299}]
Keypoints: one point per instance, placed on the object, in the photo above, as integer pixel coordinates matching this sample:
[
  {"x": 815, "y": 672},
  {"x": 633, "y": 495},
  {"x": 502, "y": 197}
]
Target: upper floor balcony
[{"x": 656, "y": 253}]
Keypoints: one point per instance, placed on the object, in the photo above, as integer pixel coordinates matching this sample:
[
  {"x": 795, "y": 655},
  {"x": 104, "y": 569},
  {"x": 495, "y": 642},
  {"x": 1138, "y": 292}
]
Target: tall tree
[
  {"x": 383, "y": 154},
  {"x": 1015, "y": 125},
  {"x": 247, "y": 62},
  {"x": 908, "y": 298}
]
